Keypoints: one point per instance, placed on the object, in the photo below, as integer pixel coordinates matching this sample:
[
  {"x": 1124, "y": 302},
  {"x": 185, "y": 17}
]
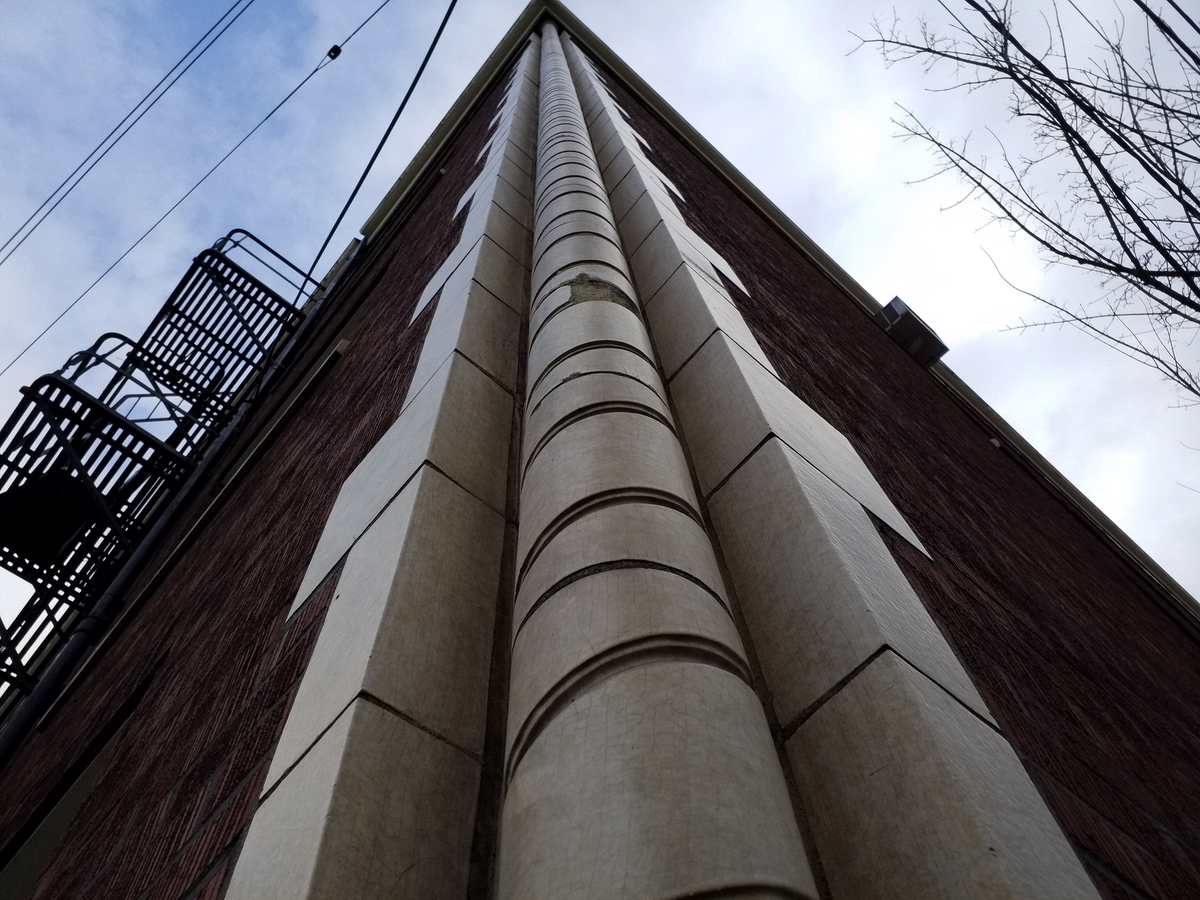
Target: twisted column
[{"x": 639, "y": 761}]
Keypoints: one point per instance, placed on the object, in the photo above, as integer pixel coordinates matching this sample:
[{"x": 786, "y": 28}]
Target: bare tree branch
[{"x": 1112, "y": 183}]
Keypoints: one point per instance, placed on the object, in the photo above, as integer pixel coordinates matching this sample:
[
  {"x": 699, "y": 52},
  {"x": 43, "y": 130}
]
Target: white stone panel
[
  {"x": 608, "y": 141},
  {"x": 644, "y": 216},
  {"x": 507, "y": 231},
  {"x": 624, "y": 193},
  {"x": 727, "y": 404},
  {"x": 618, "y": 164},
  {"x": 659, "y": 255},
  {"x": 818, "y": 587},
  {"x": 686, "y": 311},
  {"x": 461, "y": 422},
  {"x": 410, "y": 622},
  {"x": 501, "y": 274},
  {"x": 520, "y": 157},
  {"x": 600, "y": 126},
  {"x": 910, "y": 795},
  {"x": 513, "y": 202},
  {"x": 487, "y": 265},
  {"x": 496, "y": 164},
  {"x": 647, "y": 200},
  {"x": 378, "y": 810},
  {"x": 472, "y": 320},
  {"x": 510, "y": 170}
]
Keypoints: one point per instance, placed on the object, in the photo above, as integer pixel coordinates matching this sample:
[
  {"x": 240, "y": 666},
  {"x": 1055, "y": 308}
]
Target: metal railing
[{"x": 93, "y": 452}]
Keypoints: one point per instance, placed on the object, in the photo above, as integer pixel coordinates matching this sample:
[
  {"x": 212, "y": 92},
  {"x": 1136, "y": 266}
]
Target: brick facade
[
  {"x": 207, "y": 645},
  {"x": 1090, "y": 679},
  {"x": 1089, "y": 676}
]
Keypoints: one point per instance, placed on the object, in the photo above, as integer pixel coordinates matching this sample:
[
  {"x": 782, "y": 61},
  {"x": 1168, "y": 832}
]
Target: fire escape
[{"x": 94, "y": 452}]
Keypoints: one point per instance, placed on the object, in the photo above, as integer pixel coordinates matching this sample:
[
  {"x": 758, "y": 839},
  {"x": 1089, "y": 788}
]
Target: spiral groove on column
[{"x": 639, "y": 762}]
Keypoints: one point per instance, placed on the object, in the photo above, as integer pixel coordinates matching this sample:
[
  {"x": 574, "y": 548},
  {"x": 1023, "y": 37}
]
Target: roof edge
[
  {"x": 1092, "y": 514},
  {"x": 511, "y": 44}
]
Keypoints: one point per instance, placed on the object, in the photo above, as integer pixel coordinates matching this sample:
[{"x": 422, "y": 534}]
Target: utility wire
[
  {"x": 378, "y": 149},
  {"x": 130, "y": 114},
  {"x": 334, "y": 52}
]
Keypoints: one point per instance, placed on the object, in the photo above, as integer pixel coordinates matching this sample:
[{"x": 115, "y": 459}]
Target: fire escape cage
[{"x": 94, "y": 451}]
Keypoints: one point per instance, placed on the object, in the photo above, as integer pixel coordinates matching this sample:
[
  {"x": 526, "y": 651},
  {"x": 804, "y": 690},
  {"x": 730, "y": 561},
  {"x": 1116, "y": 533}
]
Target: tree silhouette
[{"x": 1110, "y": 182}]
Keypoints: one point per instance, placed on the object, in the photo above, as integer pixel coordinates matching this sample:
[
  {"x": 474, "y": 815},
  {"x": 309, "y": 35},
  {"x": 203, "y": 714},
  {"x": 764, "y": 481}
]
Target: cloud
[{"x": 775, "y": 86}]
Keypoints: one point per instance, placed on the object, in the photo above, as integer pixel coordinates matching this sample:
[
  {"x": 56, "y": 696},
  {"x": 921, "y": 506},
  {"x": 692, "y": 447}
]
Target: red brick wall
[
  {"x": 1097, "y": 688},
  {"x": 170, "y": 809}
]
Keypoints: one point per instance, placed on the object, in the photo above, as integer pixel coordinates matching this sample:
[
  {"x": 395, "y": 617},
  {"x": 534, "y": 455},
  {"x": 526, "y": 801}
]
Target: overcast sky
[{"x": 775, "y": 86}]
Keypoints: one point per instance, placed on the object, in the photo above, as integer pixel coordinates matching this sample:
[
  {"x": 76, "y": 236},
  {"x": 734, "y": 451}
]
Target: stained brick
[{"x": 172, "y": 805}]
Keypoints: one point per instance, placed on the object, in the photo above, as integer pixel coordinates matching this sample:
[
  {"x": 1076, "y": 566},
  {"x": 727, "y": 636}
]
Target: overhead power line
[
  {"x": 333, "y": 53},
  {"x": 101, "y": 150},
  {"x": 379, "y": 148}
]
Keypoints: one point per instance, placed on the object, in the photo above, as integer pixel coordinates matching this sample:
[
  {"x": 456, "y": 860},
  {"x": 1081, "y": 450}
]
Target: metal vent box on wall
[{"x": 910, "y": 331}]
